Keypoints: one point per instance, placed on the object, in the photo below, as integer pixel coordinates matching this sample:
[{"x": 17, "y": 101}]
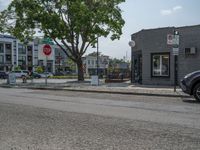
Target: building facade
[
  {"x": 14, "y": 53},
  {"x": 90, "y": 64},
  {"x": 153, "y": 60}
]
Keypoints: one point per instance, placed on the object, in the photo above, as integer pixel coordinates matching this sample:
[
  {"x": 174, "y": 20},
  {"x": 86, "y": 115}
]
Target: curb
[{"x": 98, "y": 91}]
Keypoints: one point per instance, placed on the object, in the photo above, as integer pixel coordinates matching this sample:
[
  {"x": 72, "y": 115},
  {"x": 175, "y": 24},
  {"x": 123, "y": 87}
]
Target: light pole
[
  {"x": 132, "y": 45},
  {"x": 98, "y": 60}
]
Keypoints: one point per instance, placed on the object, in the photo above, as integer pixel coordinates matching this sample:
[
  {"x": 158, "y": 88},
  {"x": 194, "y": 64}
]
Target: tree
[
  {"x": 39, "y": 69},
  {"x": 17, "y": 68},
  {"x": 71, "y": 64},
  {"x": 74, "y": 25}
]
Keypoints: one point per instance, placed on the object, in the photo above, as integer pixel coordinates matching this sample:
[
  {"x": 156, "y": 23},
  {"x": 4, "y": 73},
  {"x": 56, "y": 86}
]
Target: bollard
[{"x": 24, "y": 80}]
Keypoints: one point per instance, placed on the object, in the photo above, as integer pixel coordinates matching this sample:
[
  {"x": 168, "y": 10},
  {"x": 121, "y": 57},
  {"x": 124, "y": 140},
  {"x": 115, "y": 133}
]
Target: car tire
[{"x": 196, "y": 92}]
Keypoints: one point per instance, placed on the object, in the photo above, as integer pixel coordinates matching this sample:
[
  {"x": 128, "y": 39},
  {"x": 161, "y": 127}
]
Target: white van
[{"x": 21, "y": 73}]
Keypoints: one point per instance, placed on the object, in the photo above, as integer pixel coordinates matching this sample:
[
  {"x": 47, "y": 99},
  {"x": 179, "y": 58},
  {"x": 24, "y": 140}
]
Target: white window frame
[{"x": 161, "y": 63}]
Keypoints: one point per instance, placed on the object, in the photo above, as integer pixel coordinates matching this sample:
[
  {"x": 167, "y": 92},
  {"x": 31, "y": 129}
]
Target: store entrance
[{"x": 138, "y": 68}]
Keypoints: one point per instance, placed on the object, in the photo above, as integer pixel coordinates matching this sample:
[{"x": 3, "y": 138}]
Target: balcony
[
  {"x": 30, "y": 53},
  {"x": 8, "y": 51},
  {"x": 8, "y": 62}
]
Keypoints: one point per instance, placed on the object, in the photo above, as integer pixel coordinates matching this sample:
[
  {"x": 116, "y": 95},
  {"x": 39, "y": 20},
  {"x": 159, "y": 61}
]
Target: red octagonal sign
[{"x": 47, "y": 50}]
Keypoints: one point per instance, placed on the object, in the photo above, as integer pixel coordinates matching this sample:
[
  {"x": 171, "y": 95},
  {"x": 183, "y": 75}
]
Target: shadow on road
[{"x": 190, "y": 100}]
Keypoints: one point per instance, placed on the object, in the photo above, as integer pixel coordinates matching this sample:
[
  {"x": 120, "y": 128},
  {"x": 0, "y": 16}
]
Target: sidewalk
[{"x": 112, "y": 88}]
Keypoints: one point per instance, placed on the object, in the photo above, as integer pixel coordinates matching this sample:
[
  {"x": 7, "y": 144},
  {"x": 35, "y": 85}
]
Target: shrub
[{"x": 39, "y": 69}]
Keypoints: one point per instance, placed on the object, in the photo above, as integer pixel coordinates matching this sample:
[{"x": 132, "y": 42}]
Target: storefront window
[{"x": 160, "y": 65}]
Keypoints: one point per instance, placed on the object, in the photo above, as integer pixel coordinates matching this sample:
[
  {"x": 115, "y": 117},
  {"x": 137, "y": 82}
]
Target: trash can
[{"x": 11, "y": 78}]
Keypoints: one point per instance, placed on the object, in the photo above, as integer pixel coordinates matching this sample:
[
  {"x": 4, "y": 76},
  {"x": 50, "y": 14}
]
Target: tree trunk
[{"x": 80, "y": 70}]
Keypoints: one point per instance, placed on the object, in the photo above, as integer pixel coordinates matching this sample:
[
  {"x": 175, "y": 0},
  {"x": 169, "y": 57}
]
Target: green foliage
[
  {"x": 71, "y": 64},
  {"x": 39, "y": 69},
  {"x": 17, "y": 68},
  {"x": 75, "y": 23},
  {"x": 65, "y": 77},
  {"x": 113, "y": 64}
]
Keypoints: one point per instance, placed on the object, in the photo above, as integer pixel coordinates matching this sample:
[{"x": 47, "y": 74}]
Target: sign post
[
  {"x": 47, "y": 51},
  {"x": 173, "y": 39}
]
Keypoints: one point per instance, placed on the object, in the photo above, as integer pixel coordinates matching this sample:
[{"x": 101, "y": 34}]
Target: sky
[{"x": 145, "y": 14}]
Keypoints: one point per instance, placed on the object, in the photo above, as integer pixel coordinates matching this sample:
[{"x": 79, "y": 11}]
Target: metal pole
[
  {"x": 46, "y": 72},
  {"x": 98, "y": 59},
  {"x": 59, "y": 62},
  {"x": 175, "y": 72},
  {"x": 176, "y": 61}
]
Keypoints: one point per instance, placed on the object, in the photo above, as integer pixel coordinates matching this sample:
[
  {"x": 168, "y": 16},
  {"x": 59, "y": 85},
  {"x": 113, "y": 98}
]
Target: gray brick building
[{"x": 152, "y": 57}]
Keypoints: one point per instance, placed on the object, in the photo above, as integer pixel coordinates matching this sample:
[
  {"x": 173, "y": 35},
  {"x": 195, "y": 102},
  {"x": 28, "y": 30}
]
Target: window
[
  {"x": 22, "y": 60},
  {"x": 8, "y": 57},
  {"x": 29, "y": 48},
  {"x": 160, "y": 65},
  {"x": 8, "y": 46},
  {"x": 1, "y": 48},
  {"x": 1, "y": 59},
  {"x": 21, "y": 49},
  {"x": 88, "y": 62}
]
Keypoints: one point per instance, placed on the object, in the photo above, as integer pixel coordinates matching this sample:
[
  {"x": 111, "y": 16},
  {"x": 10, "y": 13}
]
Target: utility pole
[{"x": 98, "y": 59}]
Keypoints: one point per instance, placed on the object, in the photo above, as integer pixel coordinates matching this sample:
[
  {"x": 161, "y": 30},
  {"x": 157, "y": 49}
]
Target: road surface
[{"x": 58, "y": 120}]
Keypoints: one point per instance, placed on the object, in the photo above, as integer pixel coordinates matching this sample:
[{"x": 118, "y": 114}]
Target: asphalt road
[{"x": 53, "y": 120}]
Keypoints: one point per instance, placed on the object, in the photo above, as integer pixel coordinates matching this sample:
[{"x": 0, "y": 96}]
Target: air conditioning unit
[{"x": 191, "y": 51}]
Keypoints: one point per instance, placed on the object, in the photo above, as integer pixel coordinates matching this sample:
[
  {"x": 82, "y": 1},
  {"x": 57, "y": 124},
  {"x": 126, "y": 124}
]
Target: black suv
[
  {"x": 3, "y": 75},
  {"x": 191, "y": 84}
]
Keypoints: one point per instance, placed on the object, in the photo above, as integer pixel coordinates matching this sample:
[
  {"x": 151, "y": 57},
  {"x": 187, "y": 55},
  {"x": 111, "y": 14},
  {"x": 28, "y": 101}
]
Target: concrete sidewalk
[{"x": 112, "y": 88}]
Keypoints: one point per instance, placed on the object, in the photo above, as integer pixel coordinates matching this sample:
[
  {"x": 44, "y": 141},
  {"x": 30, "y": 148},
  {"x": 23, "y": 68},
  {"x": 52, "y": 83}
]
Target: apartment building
[{"x": 14, "y": 53}]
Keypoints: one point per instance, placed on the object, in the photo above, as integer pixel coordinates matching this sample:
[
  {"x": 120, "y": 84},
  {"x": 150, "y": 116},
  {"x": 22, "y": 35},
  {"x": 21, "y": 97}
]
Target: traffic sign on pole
[
  {"x": 47, "y": 50},
  {"x": 175, "y": 51}
]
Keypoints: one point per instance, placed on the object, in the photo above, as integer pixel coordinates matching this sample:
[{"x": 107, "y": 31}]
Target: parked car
[
  {"x": 59, "y": 74},
  {"x": 3, "y": 75},
  {"x": 36, "y": 75},
  {"x": 190, "y": 84},
  {"x": 43, "y": 75},
  {"x": 21, "y": 73}
]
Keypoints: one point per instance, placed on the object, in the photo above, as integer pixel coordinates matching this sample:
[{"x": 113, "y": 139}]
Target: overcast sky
[{"x": 145, "y": 14}]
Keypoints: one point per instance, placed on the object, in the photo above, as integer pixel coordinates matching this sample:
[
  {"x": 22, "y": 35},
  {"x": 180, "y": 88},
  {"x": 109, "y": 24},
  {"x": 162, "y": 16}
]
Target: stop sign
[{"x": 47, "y": 50}]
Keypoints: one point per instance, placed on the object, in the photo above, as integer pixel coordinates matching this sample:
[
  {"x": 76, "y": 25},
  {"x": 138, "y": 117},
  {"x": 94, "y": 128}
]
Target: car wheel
[{"x": 196, "y": 92}]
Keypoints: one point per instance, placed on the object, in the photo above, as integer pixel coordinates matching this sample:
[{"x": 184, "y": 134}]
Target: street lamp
[
  {"x": 98, "y": 59},
  {"x": 132, "y": 45}
]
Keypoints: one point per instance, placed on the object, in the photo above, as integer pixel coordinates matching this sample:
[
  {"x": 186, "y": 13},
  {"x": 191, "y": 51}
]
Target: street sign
[
  {"x": 169, "y": 39},
  {"x": 47, "y": 50},
  {"x": 176, "y": 40},
  {"x": 47, "y": 41},
  {"x": 172, "y": 39},
  {"x": 175, "y": 51}
]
